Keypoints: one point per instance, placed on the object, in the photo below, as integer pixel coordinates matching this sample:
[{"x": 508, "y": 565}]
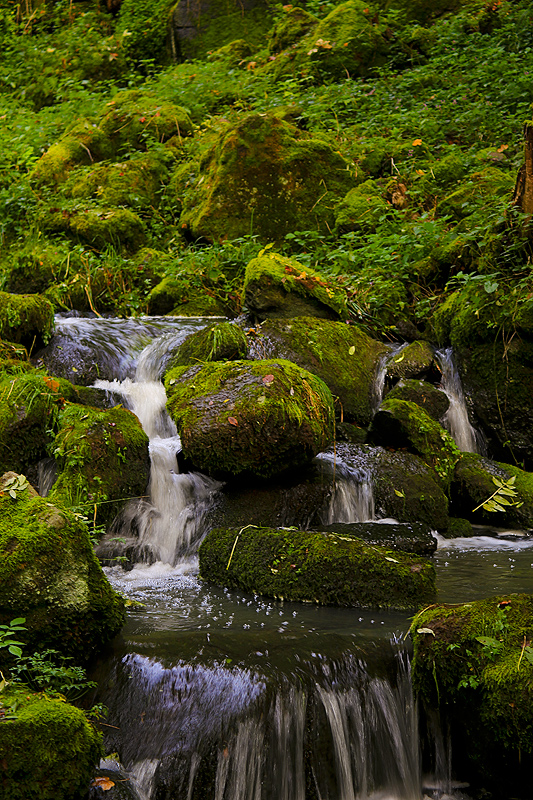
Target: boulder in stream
[
  {"x": 432, "y": 400},
  {"x": 474, "y": 663},
  {"x": 49, "y": 748},
  {"x": 325, "y": 568},
  {"x": 50, "y": 575},
  {"x": 221, "y": 342},
  {"x": 411, "y": 537},
  {"x": 258, "y": 417},
  {"x": 26, "y": 319},
  {"x": 342, "y": 355}
]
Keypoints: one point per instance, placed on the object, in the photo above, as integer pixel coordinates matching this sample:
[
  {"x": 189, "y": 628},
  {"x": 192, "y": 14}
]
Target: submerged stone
[
  {"x": 324, "y": 568},
  {"x": 343, "y": 356},
  {"x": 50, "y": 575},
  {"x": 48, "y": 748},
  {"x": 258, "y": 417},
  {"x": 279, "y": 287}
]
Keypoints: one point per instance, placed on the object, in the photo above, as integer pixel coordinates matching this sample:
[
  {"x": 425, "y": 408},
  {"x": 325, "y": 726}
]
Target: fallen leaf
[
  {"x": 268, "y": 379},
  {"x": 352, "y": 350},
  {"x": 417, "y": 142},
  {"x": 232, "y": 421},
  {"x": 103, "y": 783},
  {"x": 425, "y": 630}
]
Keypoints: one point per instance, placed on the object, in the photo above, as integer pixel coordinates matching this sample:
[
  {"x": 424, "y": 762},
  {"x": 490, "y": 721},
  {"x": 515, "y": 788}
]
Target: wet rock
[
  {"x": 50, "y": 575},
  {"x": 220, "y": 342},
  {"x": 401, "y": 424},
  {"x": 433, "y": 401},
  {"x": 343, "y": 356},
  {"x": 411, "y": 537},
  {"x": 263, "y": 174},
  {"x": 324, "y": 568},
  {"x": 26, "y": 319},
  {"x": 258, "y": 417},
  {"x": 102, "y": 457},
  {"x": 416, "y": 360},
  {"x": 458, "y": 527},
  {"x": 279, "y": 287}
]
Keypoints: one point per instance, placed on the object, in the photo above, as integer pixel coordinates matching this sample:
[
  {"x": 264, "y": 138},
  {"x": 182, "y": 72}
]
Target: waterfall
[
  {"x": 352, "y": 498},
  {"x": 456, "y": 419},
  {"x": 333, "y": 731}
]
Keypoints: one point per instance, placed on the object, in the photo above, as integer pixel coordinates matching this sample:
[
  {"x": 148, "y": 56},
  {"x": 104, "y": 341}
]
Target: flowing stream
[{"x": 218, "y": 695}]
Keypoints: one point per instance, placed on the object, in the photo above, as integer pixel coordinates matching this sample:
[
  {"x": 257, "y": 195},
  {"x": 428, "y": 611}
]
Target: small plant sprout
[{"x": 504, "y": 496}]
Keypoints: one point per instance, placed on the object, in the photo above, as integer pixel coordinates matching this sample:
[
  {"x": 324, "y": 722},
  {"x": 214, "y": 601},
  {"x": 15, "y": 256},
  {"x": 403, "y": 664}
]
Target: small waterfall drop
[
  {"x": 352, "y": 499},
  {"x": 456, "y": 419}
]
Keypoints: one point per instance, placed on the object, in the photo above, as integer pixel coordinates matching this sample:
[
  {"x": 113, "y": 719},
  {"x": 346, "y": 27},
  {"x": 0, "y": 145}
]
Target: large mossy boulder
[
  {"x": 474, "y": 662},
  {"x": 280, "y": 287},
  {"x": 50, "y": 575},
  {"x": 258, "y": 417},
  {"x": 266, "y": 176},
  {"x": 403, "y": 424},
  {"x": 30, "y": 404},
  {"x": 343, "y": 356},
  {"x": 433, "y": 401},
  {"x": 102, "y": 457},
  {"x": 475, "y": 480},
  {"x": 26, "y": 319},
  {"x": 119, "y": 228},
  {"x": 324, "y": 568},
  {"x": 48, "y": 749}
]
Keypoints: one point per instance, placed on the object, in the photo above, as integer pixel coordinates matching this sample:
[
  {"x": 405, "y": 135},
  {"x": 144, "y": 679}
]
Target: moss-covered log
[{"x": 315, "y": 567}]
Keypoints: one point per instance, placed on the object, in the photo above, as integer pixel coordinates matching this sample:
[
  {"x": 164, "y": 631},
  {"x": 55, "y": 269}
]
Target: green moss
[
  {"x": 35, "y": 266},
  {"x": 102, "y": 458},
  {"x": 100, "y": 227},
  {"x": 249, "y": 416},
  {"x": 50, "y": 575},
  {"x": 9, "y": 352},
  {"x": 136, "y": 117},
  {"x": 361, "y": 209},
  {"x": 276, "y": 286},
  {"x": 26, "y": 319},
  {"x": 263, "y": 176},
  {"x": 235, "y": 53},
  {"x": 400, "y": 423},
  {"x": 406, "y": 489},
  {"x": 459, "y": 528},
  {"x": 30, "y": 403},
  {"x": 485, "y": 684},
  {"x": 415, "y": 359},
  {"x": 220, "y": 342},
  {"x": 48, "y": 751},
  {"x": 315, "y": 567},
  {"x": 83, "y": 144},
  {"x": 295, "y": 23},
  {"x": 490, "y": 181},
  {"x": 343, "y": 356},
  {"x": 433, "y": 401}
]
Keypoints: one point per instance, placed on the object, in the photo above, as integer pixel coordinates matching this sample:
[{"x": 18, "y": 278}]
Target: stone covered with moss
[
  {"x": 361, "y": 209},
  {"x": 258, "y": 417},
  {"x": 220, "y": 342},
  {"x": 473, "y": 484},
  {"x": 402, "y": 424},
  {"x": 292, "y": 25},
  {"x": 343, "y": 356},
  {"x": 30, "y": 404},
  {"x": 266, "y": 176},
  {"x": 324, "y": 568},
  {"x": 415, "y": 360},
  {"x": 83, "y": 144},
  {"x": 35, "y": 266},
  {"x": 119, "y": 227},
  {"x": 48, "y": 749},
  {"x": 475, "y": 662},
  {"x": 50, "y": 575},
  {"x": 26, "y": 319},
  {"x": 103, "y": 460},
  {"x": 432, "y": 400},
  {"x": 276, "y": 286}
]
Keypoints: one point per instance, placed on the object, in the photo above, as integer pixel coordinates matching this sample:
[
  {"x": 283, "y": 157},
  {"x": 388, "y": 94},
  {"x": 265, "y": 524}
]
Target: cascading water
[
  {"x": 456, "y": 420},
  {"x": 352, "y": 498}
]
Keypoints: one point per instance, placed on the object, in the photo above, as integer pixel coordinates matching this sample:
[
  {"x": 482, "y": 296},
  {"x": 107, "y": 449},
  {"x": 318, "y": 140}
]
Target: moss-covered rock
[
  {"x": 473, "y": 484},
  {"x": 84, "y": 143},
  {"x": 290, "y": 28},
  {"x": 50, "y": 575},
  {"x": 474, "y": 661},
  {"x": 48, "y": 749},
  {"x": 276, "y": 286},
  {"x": 433, "y": 401},
  {"x": 220, "y": 342},
  {"x": 415, "y": 360},
  {"x": 402, "y": 424},
  {"x": 26, "y": 319},
  {"x": 11, "y": 353},
  {"x": 30, "y": 403},
  {"x": 343, "y": 356},
  {"x": 135, "y": 117},
  {"x": 315, "y": 567},
  {"x": 409, "y": 537},
  {"x": 266, "y": 176},
  {"x": 36, "y": 266},
  {"x": 100, "y": 227},
  {"x": 258, "y": 417},
  {"x": 406, "y": 489},
  {"x": 102, "y": 457},
  {"x": 458, "y": 528},
  {"x": 361, "y": 209}
]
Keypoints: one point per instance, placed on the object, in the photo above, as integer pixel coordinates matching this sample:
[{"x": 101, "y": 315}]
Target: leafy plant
[
  {"x": 504, "y": 496},
  {"x": 51, "y": 672},
  {"x": 6, "y": 634}
]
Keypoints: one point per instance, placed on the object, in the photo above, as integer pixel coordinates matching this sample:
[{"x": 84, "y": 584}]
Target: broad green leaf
[
  {"x": 488, "y": 641},
  {"x": 14, "y": 650}
]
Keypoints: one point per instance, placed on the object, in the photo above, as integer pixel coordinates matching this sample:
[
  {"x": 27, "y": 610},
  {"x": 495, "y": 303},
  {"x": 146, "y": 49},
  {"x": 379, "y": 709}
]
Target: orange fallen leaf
[
  {"x": 232, "y": 421},
  {"x": 103, "y": 783},
  {"x": 417, "y": 142},
  {"x": 268, "y": 379},
  {"x": 502, "y": 148}
]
